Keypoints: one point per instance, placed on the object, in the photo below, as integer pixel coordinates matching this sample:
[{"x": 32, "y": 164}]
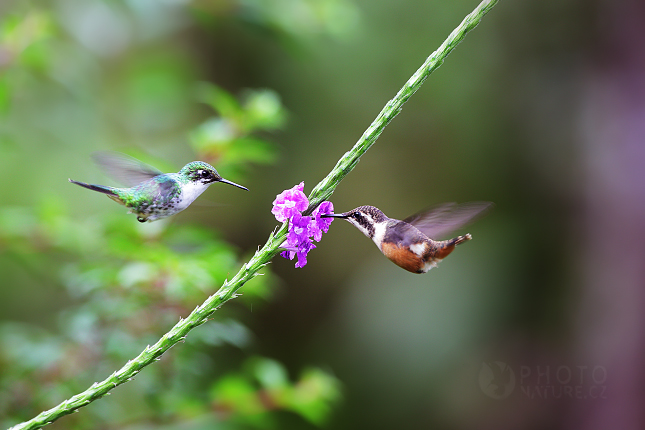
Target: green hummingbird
[{"x": 152, "y": 194}]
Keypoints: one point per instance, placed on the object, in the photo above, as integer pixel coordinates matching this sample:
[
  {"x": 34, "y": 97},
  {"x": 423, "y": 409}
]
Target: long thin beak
[
  {"x": 226, "y": 181},
  {"x": 345, "y": 215}
]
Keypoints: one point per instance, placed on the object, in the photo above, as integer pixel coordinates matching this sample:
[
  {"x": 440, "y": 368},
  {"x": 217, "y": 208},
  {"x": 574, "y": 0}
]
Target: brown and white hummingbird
[{"x": 411, "y": 243}]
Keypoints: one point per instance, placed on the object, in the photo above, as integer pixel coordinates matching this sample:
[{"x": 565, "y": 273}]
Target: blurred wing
[
  {"x": 438, "y": 221},
  {"x": 125, "y": 169}
]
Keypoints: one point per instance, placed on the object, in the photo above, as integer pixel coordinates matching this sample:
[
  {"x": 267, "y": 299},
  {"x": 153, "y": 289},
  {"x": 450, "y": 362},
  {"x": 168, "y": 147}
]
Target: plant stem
[{"x": 262, "y": 257}]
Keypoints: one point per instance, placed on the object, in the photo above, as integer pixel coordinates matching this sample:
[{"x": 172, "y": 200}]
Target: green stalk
[{"x": 262, "y": 257}]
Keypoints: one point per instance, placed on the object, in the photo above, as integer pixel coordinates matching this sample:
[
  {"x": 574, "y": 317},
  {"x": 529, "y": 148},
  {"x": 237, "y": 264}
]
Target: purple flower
[
  {"x": 302, "y": 253},
  {"x": 319, "y": 225},
  {"x": 298, "y": 241},
  {"x": 298, "y": 230},
  {"x": 288, "y": 206},
  {"x": 290, "y": 202}
]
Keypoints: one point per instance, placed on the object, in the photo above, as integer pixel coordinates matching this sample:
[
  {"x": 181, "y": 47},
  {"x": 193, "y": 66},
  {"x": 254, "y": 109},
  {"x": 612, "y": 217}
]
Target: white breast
[
  {"x": 379, "y": 233},
  {"x": 189, "y": 193}
]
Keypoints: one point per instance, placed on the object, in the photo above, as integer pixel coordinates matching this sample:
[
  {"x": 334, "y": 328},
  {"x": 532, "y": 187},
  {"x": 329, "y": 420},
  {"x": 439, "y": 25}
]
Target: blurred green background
[{"x": 541, "y": 110}]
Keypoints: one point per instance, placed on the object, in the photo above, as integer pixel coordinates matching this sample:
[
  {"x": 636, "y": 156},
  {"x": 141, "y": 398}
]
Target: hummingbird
[
  {"x": 411, "y": 243},
  {"x": 152, "y": 194}
]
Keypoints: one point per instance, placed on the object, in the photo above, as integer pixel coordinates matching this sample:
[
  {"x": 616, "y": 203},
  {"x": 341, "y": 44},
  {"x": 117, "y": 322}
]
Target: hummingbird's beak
[
  {"x": 345, "y": 215},
  {"x": 226, "y": 181}
]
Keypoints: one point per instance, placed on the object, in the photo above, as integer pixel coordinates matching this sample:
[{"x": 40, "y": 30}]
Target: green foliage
[
  {"x": 5, "y": 96},
  {"x": 263, "y": 386},
  {"x": 299, "y": 20},
  {"x": 127, "y": 283},
  {"x": 23, "y": 37},
  {"x": 23, "y": 48},
  {"x": 226, "y": 139}
]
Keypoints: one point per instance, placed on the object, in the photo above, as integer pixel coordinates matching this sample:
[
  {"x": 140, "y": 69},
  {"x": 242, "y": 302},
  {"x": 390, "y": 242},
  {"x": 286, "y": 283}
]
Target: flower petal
[{"x": 289, "y": 202}]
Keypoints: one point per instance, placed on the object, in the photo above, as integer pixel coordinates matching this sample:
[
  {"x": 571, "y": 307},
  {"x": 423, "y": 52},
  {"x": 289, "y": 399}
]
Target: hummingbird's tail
[
  {"x": 447, "y": 246},
  {"x": 460, "y": 239},
  {"x": 100, "y": 188}
]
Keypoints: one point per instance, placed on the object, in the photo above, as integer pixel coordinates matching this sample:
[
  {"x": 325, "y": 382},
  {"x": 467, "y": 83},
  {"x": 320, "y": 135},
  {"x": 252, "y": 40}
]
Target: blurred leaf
[
  {"x": 236, "y": 393},
  {"x": 36, "y": 56},
  {"x": 7, "y": 142},
  {"x": 213, "y": 136},
  {"x": 263, "y": 111},
  {"x": 17, "y": 222},
  {"x": 28, "y": 347},
  {"x": 226, "y": 138},
  {"x": 187, "y": 408},
  {"x": 136, "y": 272},
  {"x": 314, "y": 395},
  {"x": 18, "y": 32},
  {"x": 155, "y": 91},
  {"x": 81, "y": 281},
  {"x": 220, "y": 100},
  {"x": 253, "y": 150},
  {"x": 219, "y": 332},
  {"x": 5, "y": 95},
  {"x": 271, "y": 374},
  {"x": 303, "y": 19}
]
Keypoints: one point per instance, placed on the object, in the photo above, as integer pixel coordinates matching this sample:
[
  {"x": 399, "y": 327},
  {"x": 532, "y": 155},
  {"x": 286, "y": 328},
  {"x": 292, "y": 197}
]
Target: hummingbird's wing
[
  {"x": 438, "y": 221},
  {"x": 123, "y": 168}
]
